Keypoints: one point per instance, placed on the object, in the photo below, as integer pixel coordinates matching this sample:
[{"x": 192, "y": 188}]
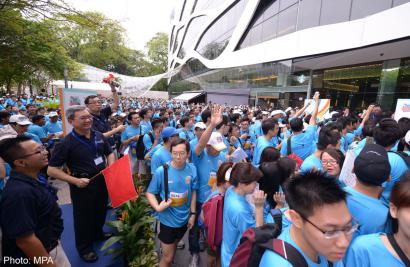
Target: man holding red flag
[{"x": 86, "y": 153}]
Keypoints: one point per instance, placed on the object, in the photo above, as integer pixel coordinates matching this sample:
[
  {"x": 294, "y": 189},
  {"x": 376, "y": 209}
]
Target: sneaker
[
  {"x": 194, "y": 260},
  {"x": 181, "y": 245}
]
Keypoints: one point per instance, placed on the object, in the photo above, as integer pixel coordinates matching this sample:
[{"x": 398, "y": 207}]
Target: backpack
[
  {"x": 213, "y": 219},
  {"x": 404, "y": 156},
  {"x": 140, "y": 148},
  {"x": 291, "y": 155},
  {"x": 255, "y": 241},
  {"x": 166, "y": 186}
]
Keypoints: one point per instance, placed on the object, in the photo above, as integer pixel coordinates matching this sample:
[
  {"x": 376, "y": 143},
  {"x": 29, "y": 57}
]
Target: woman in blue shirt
[{"x": 238, "y": 213}]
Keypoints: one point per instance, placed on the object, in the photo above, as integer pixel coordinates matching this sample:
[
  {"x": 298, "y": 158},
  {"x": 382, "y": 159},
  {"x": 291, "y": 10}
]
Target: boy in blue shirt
[
  {"x": 322, "y": 226},
  {"x": 177, "y": 211},
  {"x": 129, "y": 138},
  {"x": 270, "y": 129},
  {"x": 364, "y": 201},
  {"x": 163, "y": 155},
  {"x": 303, "y": 142}
]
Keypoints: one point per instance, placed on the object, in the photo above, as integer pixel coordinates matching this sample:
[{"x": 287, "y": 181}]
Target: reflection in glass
[
  {"x": 191, "y": 33},
  {"x": 201, "y": 5},
  {"x": 217, "y": 36},
  {"x": 178, "y": 38},
  {"x": 287, "y": 20},
  {"x": 334, "y": 11},
  {"x": 309, "y": 14}
]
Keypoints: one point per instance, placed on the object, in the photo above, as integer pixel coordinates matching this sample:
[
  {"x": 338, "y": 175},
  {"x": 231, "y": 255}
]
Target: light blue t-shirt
[
  {"x": 398, "y": 168},
  {"x": 303, "y": 145},
  {"x": 159, "y": 158},
  {"x": 34, "y": 137},
  {"x": 131, "y": 131},
  {"x": 53, "y": 127},
  {"x": 206, "y": 164},
  {"x": 192, "y": 146},
  {"x": 369, "y": 251},
  {"x": 255, "y": 131},
  {"x": 187, "y": 135},
  {"x": 369, "y": 212},
  {"x": 181, "y": 183},
  {"x": 311, "y": 162},
  {"x": 261, "y": 144},
  {"x": 237, "y": 217},
  {"x": 270, "y": 258},
  {"x": 37, "y": 130},
  {"x": 147, "y": 125}
]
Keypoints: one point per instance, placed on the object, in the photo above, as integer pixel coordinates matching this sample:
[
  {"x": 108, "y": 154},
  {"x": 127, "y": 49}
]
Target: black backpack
[{"x": 140, "y": 147}]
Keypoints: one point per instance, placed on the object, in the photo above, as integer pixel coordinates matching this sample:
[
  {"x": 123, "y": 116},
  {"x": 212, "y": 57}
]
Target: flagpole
[{"x": 95, "y": 176}]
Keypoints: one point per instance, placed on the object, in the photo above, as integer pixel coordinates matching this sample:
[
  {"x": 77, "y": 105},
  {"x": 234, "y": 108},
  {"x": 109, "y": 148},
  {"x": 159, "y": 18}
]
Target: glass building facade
[{"x": 286, "y": 82}]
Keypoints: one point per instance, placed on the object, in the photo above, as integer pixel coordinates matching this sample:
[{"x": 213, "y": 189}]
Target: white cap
[
  {"x": 407, "y": 137},
  {"x": 200, "y": 125},
  {"x": 216, "y": 141},
  {"x": 281, "y": 125},
  {"x": 265, "y": 113},
  {"x": 20, "y": 119},
  {"x": 52, "y": 114},
  {"x": 288, "y": 109},
  {"x": 277, "y": 112},
  {"x": 123, "y": 114}
]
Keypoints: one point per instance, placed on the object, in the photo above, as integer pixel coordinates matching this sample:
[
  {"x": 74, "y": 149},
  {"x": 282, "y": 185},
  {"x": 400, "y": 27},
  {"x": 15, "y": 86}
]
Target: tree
[{"x": 158, "y": 52}]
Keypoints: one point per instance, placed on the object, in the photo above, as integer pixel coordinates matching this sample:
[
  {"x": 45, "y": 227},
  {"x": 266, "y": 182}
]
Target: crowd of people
[{"x": 215, "y": 171}]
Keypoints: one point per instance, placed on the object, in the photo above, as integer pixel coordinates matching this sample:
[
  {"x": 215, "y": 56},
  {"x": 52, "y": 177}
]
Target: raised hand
[{"x": 216, "y": 115}]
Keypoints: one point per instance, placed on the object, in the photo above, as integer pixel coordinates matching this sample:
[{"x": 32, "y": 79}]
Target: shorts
[{"x": 168, "y": 235}]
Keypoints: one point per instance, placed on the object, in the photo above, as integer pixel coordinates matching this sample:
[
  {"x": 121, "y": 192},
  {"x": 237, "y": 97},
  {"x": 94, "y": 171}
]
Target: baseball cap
[
  {"x": 407, "y": 138},
  {"x": 277, "y": 112},
  {"x": 53, "y": 114},
  {"x": 19, "y": 119},
  {"x": 200, "y": 125},
  {"x": 372, "y": 165},
  {"x": 216, "y": 141},
  {"x": 167, "y": 132}
]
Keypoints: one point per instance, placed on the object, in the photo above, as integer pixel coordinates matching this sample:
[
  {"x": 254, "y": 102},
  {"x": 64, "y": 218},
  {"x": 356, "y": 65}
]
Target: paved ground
[{"x": 182, "y": 257}]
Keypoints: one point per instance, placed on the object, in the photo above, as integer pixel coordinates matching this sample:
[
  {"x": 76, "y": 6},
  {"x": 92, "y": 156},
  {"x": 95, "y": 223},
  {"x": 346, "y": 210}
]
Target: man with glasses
[
  {"x": 86, "y": 153},
  {"x": 322, "y": 226},
  {"x": 31, "y": 219},
  {"x": 101, "y": 115}
]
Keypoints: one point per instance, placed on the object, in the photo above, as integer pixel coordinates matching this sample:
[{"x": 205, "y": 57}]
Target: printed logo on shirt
[
  {"x": 212, "y": 179},
  {"x": 188, "y": 179},
  {"x": 178, "y": 199}
]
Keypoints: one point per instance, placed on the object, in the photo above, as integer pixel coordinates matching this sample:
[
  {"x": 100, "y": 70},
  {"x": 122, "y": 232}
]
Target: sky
[{"x": 140, "y": 18}]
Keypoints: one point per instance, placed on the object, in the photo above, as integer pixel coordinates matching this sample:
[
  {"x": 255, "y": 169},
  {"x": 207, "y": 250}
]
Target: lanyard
[{"x": 93, "y": 149}]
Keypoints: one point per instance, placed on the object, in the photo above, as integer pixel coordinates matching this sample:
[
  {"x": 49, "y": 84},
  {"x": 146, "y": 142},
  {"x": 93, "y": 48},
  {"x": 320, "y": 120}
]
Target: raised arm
[
  {"x": 300, "y": 111},
  {"x": 216, "y": 118},
  {"x": 315, "y": 109}
]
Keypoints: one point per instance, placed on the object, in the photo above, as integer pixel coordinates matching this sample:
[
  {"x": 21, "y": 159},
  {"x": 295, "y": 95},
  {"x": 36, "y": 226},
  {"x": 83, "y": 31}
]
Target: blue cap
[{"x": 167, "y": 132}]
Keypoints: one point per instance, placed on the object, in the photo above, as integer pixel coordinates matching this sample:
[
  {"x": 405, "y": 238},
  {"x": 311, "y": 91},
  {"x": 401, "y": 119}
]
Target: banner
[
  {"x": 118, "y": 179},
  {"x": 70, "y": 97},
  {"x": 402, "y": 109},
  {"x": 324, "y": 105}
]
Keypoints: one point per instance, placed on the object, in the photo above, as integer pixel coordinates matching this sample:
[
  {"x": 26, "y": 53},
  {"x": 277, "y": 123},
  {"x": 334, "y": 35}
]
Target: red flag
[{"x": 118, "y": 179}]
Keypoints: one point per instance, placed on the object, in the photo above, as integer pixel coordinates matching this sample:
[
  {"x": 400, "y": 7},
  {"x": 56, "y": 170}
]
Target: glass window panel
[
  {"x": 207, "y": 4},
  {"x": 178, "y": 38},
  {"x": 363, "y": 8},
  {"x": 334, "y": 11},
  {"x": 287, "y": 20},
  {"x": 187, "y": 9},
  {"x": 273, "y": 9},
  {"x": 269, "y": 28},
  {"x": 286, "y": 3},
  {"x": 399, "y": 2},
  {"x": 217, "y": 36},
  {"x": 309, "y": 14},
  {"x": 194, "y": 27},
  {"x": 171, "y": 41}
]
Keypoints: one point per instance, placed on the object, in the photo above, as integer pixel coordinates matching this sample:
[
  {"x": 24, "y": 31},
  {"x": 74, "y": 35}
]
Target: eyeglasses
[
  {"x": 330, "y": 161},
  {"x": 180, "y": 154},
  {"x": 40, "y": 150},
  {"x": 348, "y": 230},
  {"x": 96, "y": 102}
]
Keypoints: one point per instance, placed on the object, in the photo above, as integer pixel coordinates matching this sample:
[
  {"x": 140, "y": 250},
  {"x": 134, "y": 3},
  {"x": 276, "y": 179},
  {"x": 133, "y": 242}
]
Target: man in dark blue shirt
[
  {"x": 86, "y": 153},
  {"x": 30, "y": 216}
]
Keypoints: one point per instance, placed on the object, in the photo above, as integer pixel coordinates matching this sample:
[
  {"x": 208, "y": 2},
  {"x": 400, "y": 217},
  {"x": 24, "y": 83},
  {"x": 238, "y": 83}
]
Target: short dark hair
[
  {"x": 205, "y": 115},
  {"x": 224, "y": 121},
  {"x": 143, "y": 112},
  {"x": 387, "y": 132},
  {"x": 156, "y": 122},
  {"x": 404, "y": 125},
  {"x": 296, "y": 124},
  {"x": 10, "y": 148},
  {"x": 184, "y": 120},
  {"x": 180, "y": 141},
  {"x": 37, "y": 118},
  {"x": 87, "y": 99},
  {"x": 269, "y": 154},
  {"x": 327, "y": 137},
  {"x": 368, "y": 128},
  {"x": 4, "y": 114},
  {"x": 245, "y": 119},
  {"x": 244, "y": 172},
  {"x": 269, "y": 124},
  {"x": 336, "y": 154},
  {"x": 132, "y": 113},
  {"x": 306, "y": 192}
]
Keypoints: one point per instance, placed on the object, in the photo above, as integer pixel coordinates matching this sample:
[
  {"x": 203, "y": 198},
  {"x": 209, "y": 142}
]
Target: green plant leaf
[{"x": 111, "y": 241}]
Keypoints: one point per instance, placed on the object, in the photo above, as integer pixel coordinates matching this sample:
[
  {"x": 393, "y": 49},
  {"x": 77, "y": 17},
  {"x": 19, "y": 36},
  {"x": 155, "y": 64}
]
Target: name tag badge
[{"x": 98, "y": 161}]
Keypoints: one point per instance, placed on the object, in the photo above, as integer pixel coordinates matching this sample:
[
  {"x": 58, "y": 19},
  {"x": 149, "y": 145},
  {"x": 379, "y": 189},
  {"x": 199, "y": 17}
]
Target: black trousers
[{"x": 89, "y": 212}]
